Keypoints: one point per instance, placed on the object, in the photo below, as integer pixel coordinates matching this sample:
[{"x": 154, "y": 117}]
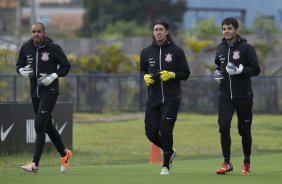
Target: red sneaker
[
  {"x": 246, "y": 169},
  {"x": 64, "y": 161},
  {"x": 225, "y": 167}
]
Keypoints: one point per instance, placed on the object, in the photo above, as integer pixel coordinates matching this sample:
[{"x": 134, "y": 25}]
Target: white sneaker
[
  {"x": 171, "y": 158},
  {"x": 30, "y": 167},
  {"x": 164, "y": 171}
]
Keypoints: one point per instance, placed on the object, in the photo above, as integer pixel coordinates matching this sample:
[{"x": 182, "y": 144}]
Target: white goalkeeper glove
[
  {"x": 232, "y": 69},
  {"x": 46, "y": 80},
  {"x": 26, "y": 71},
  {"x": 218, "y": 76}
]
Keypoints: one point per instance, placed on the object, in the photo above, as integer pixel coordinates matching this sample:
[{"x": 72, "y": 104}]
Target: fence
[{"x": 128, "y": 93}]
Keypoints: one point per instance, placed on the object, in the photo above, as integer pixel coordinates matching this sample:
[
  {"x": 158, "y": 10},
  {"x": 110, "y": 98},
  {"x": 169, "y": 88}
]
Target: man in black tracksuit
[
  {"x": 237, "y": 62},
  {"x": 162, "y": 66},
  {"x": 43, "y": 62}
]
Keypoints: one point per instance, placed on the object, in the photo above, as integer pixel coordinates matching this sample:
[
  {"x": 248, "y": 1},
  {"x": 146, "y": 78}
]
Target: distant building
[
  {"x": 7, "y": 13},
  {"x": 246, "y": 10},
  {"x": 63, "y": 18},
  {"x": 65, "y": 15},
  {"x": 61, "y": 14}
]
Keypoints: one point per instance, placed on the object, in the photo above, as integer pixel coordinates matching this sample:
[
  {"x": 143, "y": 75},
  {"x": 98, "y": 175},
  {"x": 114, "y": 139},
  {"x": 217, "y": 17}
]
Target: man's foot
[
  {"x": 224, "y": 168},
  {"x": 171, "y": 158},
  {"x": 246, "y": 169},
  {"x": 64, "y": 160},
  {"x": 30, "y": 167},
  {"x": 164, "y": 171}
]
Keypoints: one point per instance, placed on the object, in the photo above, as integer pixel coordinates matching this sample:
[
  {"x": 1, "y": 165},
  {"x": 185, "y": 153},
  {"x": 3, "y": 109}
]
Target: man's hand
[
  {"x": 232, "y": 69},
  {"x": 148, "y": 79},
  {"x": 26, "y": 71},
  {"x": 46, "y": 80},
  {"x": 166, "y": 75}
]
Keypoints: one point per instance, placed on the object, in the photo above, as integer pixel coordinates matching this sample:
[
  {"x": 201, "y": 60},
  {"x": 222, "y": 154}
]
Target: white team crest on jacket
[
  {"x": 45, "y": 56},
  {"x": 236, "y": 55},
  {"x": 168, "y": 57}
]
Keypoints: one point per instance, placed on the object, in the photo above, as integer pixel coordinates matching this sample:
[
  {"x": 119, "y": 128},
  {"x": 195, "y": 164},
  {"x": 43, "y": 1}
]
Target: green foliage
[
  {"x": 7, "y": 66},
  {"x": 265, "y": 25},
  {"x": 112, "y": 59},
  {"x": 3, "y": 90},
  {"x": 263, "y": 48},
  {"x": 196, "y": 45},
  {"x": 205, "y": 28},
  {"x": 121, "y": 29},
  {"x": 102, "y": 13},
  {"x": 7, "y": 61},
  {"x": 107, "y": 59},
  {"x": 244, "y": 30}
]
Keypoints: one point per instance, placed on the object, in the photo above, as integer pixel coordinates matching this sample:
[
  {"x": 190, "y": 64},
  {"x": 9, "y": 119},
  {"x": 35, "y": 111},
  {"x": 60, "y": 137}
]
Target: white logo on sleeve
[{"x": 5, "y": 133}]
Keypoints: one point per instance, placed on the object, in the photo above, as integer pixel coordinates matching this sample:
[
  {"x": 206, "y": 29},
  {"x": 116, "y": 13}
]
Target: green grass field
[
  {"x": 266, "y": 169},
  {"x": 118, "y": 152}
]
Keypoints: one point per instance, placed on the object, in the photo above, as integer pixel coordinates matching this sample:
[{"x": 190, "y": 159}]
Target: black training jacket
[
  {"x": 48, "y": 58},
  {"x": 240, "y": 85},
  {"x": 168, "y": 57}
]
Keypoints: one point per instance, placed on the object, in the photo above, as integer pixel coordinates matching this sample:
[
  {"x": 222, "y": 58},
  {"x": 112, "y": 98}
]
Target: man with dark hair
[
  {"x": 162, "y": 66},
  {"x": 43, "y": 62},
  {"x": 236, "y": 62}
]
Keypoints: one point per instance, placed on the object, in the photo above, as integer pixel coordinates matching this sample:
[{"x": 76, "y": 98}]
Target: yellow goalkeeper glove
[
  {"x": 148, "y": 79},
  {"x": 166, "y": 75}
]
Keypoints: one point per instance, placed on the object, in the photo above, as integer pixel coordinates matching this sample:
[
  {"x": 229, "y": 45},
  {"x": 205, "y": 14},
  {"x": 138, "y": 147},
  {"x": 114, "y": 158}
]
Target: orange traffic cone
[{"x": 155, "y": 155}]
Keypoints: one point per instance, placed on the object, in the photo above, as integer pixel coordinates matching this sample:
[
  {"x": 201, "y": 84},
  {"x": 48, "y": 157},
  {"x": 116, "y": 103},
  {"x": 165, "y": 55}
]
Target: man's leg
[
  {"x": 55, "y": 137},
  {"x": 245, "y": 116},
  {"x": 45, "y": 107},
  {"x": 225, "y": 112},
  {"x": 169, "y": 112},
  {"x": 152, "y": 123}
]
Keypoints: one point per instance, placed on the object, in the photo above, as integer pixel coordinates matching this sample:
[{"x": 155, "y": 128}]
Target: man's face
[
  {"x": 37, "y": 34},
  {"x": 160, "y": 33},
  {"x": 229, "y": 32}
]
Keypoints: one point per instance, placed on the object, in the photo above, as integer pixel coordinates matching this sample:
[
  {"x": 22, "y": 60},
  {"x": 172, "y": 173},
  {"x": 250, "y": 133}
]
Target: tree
[
  {"x": 107, "y": 59},
  {"x": 265, "y": 25},
  {"x": 205, "y": 29},
  {"x": 100, "y": 14}
]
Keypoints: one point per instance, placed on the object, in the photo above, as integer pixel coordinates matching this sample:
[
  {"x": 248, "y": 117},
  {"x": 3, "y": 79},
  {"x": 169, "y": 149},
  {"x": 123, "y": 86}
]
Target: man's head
[
  {"x": 160, "y": 31},
  {"x": 38, "y": 33},
  {"x": 229, "y": 29}
]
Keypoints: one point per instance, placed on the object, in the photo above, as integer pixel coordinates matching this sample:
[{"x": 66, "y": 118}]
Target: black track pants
[
  {"x": 243, "y": 108},
  {"x": 159, "y": 123},
  {"x": 43, "y": 108}
]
